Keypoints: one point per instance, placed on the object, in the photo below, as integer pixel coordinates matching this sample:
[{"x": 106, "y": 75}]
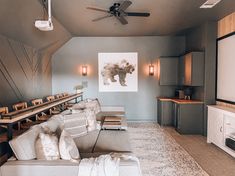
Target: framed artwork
[{"x": 118, "y": 72}]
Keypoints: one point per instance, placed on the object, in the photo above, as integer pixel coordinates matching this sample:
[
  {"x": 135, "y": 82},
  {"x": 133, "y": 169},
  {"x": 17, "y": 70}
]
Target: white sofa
[{"x": 93, "y": 144}]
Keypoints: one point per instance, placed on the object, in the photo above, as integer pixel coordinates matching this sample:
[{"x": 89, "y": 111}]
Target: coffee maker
[{"x": 188, "y": 92}]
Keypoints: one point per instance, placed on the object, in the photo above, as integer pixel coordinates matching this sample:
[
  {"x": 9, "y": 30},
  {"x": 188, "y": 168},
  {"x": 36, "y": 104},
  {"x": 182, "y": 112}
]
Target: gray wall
[
  {"x": 84, "y": 50},
  {"x": 203, "y": 38},
  {"x": 25, "y": 73}
]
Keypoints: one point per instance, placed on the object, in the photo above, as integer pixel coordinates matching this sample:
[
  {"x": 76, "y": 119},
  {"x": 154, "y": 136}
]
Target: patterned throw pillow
[
  {"x": 79, "y": 106},
  {"x": 47, "y": 146},
  {"x": 68, "y": 148},
  {"x": 88, "y": 104},
  {"x": 75, "y": 124},
  {"x": 90, "y": 116},
  {"x": 91, "y": 119},
  {"x": 93, "y": 104}
]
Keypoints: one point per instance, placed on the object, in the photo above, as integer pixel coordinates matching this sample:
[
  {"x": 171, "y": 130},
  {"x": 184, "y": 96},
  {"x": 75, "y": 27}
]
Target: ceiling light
[{"x": 209, "y": 4}]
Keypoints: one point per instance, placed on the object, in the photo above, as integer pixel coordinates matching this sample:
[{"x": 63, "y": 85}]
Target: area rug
[{"x": 159, "y": 153}]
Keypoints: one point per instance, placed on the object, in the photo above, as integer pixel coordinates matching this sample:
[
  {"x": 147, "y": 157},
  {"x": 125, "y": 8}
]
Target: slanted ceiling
[{"x": 17, "y": 22}]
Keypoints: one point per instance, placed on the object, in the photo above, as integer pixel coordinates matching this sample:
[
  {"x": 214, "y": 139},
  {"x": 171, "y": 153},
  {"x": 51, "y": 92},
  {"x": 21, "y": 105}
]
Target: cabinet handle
[{"x": 221, "y": 129}]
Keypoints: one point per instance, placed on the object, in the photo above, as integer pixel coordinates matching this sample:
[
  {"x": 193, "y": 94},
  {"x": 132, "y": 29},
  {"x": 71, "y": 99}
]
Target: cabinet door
[
  {"x": 176, "y": 116},
  {"x": 168, "y": 71},
  {"x": 159, "y": 112},
  {"x": 215, "y": 127},
  {"x": 181, "y": 71},
  {"x": 166, "y": 113},
  {"x": 188, "y": 69},
  {"x": 226, "y": 25}
]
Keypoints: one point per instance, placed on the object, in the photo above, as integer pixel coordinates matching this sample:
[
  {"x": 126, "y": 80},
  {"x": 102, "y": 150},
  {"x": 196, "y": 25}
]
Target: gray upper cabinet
[
  {"x": 192, "y": 69},
  {"x": 168, "y": 71}
]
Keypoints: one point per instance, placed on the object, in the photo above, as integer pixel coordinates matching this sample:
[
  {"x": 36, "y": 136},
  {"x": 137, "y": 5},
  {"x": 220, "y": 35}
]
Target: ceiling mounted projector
[{"x": 45, "y": 25}]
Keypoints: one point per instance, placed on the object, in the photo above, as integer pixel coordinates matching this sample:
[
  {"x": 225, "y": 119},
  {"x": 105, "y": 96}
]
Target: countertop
[{"x": 180, "y": 101}]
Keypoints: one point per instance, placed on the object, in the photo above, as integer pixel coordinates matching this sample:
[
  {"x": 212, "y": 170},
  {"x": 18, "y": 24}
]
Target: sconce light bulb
[
  {"x": 151, "y": 70},
  {"x": 84, "y": 70}
]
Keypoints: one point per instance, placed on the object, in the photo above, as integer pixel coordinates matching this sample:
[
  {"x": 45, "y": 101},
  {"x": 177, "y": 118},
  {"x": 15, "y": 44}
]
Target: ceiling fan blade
[
  {"x": 124, "y": 5},
  {"x": 97, "y": 9},
  {"x": 101, "y": 18},
  {"x": 122, "y": 20},
  {"x": 137, "y": 14}
]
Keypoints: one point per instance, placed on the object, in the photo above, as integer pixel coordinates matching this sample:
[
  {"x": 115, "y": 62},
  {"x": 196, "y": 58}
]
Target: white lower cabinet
[
  {"x": 221, "y": 125},
  {"x": 215, "y": 127}
]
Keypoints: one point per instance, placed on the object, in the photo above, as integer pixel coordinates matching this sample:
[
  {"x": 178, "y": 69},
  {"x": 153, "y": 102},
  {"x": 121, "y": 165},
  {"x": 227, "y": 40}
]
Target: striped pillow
[{"x": 75, "y": 124}]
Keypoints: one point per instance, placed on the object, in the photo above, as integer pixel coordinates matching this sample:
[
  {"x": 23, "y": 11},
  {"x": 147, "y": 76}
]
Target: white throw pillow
[
  {"x": 68, "y": 148},
  {"x": 23, "y": 146},
  {"x": 47, "y": 146}
]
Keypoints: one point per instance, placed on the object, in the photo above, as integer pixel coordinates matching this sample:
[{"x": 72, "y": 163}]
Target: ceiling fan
[{"x": 118, "y": 10}]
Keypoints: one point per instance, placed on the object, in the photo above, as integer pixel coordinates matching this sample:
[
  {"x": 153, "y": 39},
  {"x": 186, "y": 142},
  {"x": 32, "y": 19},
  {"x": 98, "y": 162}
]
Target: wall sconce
[
  {"x": 84, "y": 70},
  {"x": 151, "y": 70}
]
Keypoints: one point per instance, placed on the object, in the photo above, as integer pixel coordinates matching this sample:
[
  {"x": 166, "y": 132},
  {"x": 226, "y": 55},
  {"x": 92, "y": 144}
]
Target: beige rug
[{"x": 159, "y": 153}]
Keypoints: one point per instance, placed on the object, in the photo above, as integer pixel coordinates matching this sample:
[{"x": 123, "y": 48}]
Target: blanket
[{"x": 104, "y": 165}]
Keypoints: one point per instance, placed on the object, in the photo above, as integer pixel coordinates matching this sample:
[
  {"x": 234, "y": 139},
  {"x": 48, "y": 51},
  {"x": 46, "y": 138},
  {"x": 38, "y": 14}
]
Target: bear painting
[
  {"x": 118, "y": 69},
  {"x": 118, "y": 72}
]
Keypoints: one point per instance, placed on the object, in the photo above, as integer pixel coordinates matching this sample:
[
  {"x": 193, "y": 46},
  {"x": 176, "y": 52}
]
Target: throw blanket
[{"x": 104, "y": 165}]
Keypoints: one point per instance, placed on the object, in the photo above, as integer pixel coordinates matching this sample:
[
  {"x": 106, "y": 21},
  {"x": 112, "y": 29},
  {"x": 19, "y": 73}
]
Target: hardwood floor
[{"x": 211, "y": 158}]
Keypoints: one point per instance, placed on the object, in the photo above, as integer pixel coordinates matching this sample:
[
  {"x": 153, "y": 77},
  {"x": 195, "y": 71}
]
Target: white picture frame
[{"x": 118, "y": 72}]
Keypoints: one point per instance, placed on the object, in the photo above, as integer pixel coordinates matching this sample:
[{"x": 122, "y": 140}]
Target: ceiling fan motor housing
[{"x": 115, "y": 9}]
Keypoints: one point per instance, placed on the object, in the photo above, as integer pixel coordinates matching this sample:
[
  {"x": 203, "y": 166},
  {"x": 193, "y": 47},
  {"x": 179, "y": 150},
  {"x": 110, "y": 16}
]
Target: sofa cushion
[
  {"x": 23, "y": 146},
  {"x": 58, "y": 168},
  {"x": 68, "y": 148},
  {"x": 86, "y": 143},
  {"x": 113, "y": 141}
]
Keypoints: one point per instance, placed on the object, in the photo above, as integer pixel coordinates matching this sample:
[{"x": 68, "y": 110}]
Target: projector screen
[{"x": 226, "y": 69}]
